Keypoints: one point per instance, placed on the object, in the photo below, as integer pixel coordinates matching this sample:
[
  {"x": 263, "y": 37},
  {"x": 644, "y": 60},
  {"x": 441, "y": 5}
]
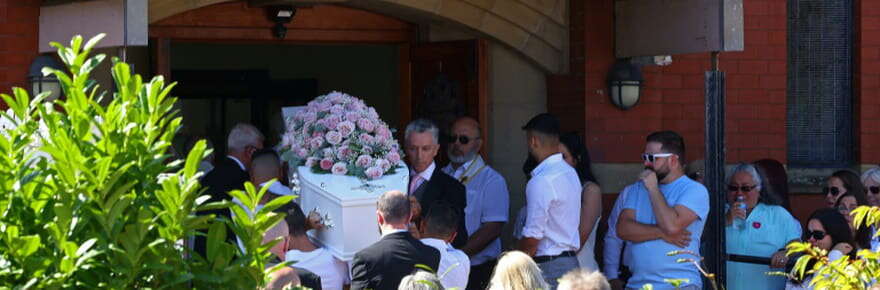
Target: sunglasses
[
  {"x": 744, "y": 188},
  {"x": 873, "y": 189},
  {"x": 816, "y": 235},
  {"x": 462, "y": 139},
  {"x": 843, "y": 208},
  {"x": 834, "y": 191},
  {"x": 651, "y": 157}
]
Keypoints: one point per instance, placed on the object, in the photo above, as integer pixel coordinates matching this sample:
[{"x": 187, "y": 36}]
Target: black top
[
  {"x": 444, "y": 188},
  {"x": 226, "y": 176},
  {"x": 383, "y": 264}
]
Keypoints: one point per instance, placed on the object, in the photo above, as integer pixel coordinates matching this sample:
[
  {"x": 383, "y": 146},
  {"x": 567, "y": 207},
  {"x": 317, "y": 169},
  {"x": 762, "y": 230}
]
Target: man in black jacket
[
  {"x": 383, "y": 264},
  {"x": 428, "y": 184},
  {"x": 230, "y": 172}
]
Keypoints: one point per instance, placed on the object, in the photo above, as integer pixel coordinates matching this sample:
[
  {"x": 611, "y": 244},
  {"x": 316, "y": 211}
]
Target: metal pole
[{"x": 714, "y": 249}]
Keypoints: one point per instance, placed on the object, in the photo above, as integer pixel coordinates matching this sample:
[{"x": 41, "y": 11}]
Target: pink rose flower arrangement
[{"x": 339, "y": 134}]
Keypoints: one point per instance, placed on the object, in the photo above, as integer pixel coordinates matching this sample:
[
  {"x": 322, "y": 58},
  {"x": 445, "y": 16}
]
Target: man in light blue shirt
[{"x": 665, "y": 212}]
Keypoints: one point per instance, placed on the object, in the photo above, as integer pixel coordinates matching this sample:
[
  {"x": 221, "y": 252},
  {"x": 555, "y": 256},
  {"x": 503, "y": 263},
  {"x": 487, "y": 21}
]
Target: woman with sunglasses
[
  {"x": 871, "y": 181},
  {"x": 768, "y": 227},
  {"x": 827, "y": 229},
  {"x": 845, "y": 205},
  {"x": 575, "y": 153},
  {"x": 840, "y": 183}
]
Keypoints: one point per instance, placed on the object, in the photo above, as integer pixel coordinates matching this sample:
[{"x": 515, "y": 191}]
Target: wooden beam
[
  {"x": 293, "y": 34},
  {"x": 261, "y": 3}
]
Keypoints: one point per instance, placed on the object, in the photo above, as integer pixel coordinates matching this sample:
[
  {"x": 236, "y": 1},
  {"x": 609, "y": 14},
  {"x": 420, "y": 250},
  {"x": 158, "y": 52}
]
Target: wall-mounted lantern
[
  {"x": 40, "y": 83},
  {"x": 624, "y": 84}
]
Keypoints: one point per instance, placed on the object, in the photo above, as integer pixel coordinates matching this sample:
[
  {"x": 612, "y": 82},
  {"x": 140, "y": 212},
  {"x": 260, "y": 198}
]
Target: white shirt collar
[
  {"x": 454, "y": 171},
  {"x": 426, "y": 175},
  {"x": 437, "y": 243},
  {"x": 551, "y": 159},
  {"x": 393, "y": 232},
  {"x": 237, "y": 161}
]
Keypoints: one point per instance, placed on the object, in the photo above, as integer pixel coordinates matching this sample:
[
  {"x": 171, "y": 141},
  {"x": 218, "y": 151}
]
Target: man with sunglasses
[
  {"x": 487, "y": 199},
  {"x": 664, "y": 211}
]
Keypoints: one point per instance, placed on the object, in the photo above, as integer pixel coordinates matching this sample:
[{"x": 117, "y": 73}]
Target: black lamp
[
  {"x": 624, "y": 84},
  {"x": 280, "y": 14},
  {"x": 41, "y": 83}
]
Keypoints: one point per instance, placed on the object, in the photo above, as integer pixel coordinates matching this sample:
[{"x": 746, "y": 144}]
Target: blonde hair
[
  {"x": 581, "y": 279},
  {"x": 517, "y": 271}
]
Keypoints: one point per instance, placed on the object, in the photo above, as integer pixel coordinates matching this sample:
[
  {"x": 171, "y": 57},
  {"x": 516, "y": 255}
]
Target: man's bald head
[
  {"x": 469, "y": 123},
  {"x": 394, "y": 207},
  {"x": 466, "y": 141}
]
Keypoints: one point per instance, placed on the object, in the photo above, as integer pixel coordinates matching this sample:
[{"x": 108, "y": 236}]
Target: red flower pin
[{"x": 756, "y": 225}]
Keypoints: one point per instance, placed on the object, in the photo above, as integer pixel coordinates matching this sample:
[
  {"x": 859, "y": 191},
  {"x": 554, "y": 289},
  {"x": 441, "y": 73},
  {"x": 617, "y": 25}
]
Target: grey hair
[
  {"x": 420, "y": 280},
  {"x": 422, "y": 126},
  {"x": 394, "y": 207},
  {"x": 747, "y": 168},
  {"x": 582, "y": 279},
  {"x": 243, "y": 135},
  {"x": 872, "y": 174}
]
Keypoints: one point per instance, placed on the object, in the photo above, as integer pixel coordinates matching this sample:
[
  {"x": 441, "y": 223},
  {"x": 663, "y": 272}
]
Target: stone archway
[{"x": 535, "y": 28}]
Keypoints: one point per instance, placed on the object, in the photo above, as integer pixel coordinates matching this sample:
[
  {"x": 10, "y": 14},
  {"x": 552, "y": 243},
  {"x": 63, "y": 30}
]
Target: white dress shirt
[
  {"x": 553, "y": 197},
  {"x": 454, "y": 264},
  {"x": 488, "y": 201},
  {"x": 333, "y": 272}
]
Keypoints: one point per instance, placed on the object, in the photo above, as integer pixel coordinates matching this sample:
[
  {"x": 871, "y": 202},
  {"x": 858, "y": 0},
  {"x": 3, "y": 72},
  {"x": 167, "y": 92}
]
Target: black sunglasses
[
  {"x": 744, "y": 188},
  {"x": 817, "y": 235},
  {"x": 464, "y": 140},
  {"x": 831, "y": 189},
  {"x": 873, "y": 189}
]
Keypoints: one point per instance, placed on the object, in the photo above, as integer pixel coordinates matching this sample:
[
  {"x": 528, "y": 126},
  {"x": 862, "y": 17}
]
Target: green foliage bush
[{"x": 91, "y": 198}]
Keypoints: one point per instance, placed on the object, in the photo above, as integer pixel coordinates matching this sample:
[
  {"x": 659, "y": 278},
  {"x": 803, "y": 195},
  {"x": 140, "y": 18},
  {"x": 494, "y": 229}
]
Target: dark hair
[
  {"x": 544, "y": 123},
  {"x": 575, "y": 145},
  {"x": 295, "y": 218},
  {"x": 394, "y": 206},
  {"x": 442, "y": 219},
  {"x": 671, "y": 143},
  {"x": 853, "y": 184},
  {"x": 863, "y": 234},
  {"x": 774, "y": 180},
  {"x": 835, "y": 226}
]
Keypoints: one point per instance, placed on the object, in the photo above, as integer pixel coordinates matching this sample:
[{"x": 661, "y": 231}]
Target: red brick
[
  {"x": 742, "y": 81},
  {"x": 780, "y": 155},
  {"x": 648, "y": 111},
  {"x": 870, "y": 37},
  {"x": 741, "y": 112},
  {"x": 773, "y": 81},
  {"x": 869, "y": 53},
  {"x": 683, "y": 126},
  {"x": 777, "y": 67},
  {"x": 747, "y": 155},
  {"x": 777, "y": 52},
  {"x": 773, "y": 22},
  {"x": 777, "y": 37},
  {"x": 869, "y": 81},
  {"x": 761, "y": 126},
  {"x": 684, "y": 96},
  {"x": 687, "y": 66},
  {"x": 693, "y": 82},
  {"x": 771, "y": 112},
  {"x": 870, "y": 22},
  {"x": 770, "y": 141},
  {"x": 869, "y": 112},
  {"x": 777, "y": 8},
  {"x": 665, "y": 81},
  {"x": 776, "y": 96},
  {"x": 870, "y": 8},
  {"x": 755, "y": 8},
  {"x": 752, "y": 23},
  {"x": 694, "y": 111},
  {"x": 752, "y": 66},
  {"x": 748, "y": 53},
  {"x": 870, "y": 126},
  {"x": 739, "y": 140},
  {"x": 756, "y": 37}
]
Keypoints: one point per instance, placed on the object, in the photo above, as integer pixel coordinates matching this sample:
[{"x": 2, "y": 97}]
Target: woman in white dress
[
  {"x": 827, "y": 229},
  {"x": 575, "y": 153}
]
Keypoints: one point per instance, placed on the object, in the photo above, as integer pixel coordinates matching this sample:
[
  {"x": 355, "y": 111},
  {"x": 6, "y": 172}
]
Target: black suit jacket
[
  {"x": 383, "y": 264},
  {"x": 444, "y": 188},
  {"x": 225, "y": 177}
]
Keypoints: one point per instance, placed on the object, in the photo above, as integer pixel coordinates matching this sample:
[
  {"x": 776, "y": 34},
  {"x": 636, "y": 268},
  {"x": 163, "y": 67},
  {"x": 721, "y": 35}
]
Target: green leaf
[{"x": 216, "y": 236}]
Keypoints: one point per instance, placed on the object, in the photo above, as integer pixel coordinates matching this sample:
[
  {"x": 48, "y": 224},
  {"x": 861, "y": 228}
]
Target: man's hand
[
  {"x": 680, "y": 240},
  {"x": 314, "y": 221},
  {"x": 649, "y": 178}
]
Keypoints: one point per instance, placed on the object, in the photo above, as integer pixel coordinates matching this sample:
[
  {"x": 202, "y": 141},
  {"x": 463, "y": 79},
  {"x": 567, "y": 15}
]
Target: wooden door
[{"x": 446, "y": 80}]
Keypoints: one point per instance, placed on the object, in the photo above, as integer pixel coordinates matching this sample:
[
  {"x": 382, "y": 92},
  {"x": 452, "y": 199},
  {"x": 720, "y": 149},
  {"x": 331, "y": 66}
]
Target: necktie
[{"x": 414, "y": 183}]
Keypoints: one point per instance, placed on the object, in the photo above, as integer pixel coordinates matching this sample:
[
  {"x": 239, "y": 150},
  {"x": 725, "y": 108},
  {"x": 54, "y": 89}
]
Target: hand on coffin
[{"x": 314, "y": 221}]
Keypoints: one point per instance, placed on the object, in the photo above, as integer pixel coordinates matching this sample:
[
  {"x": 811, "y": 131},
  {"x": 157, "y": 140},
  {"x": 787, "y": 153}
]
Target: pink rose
[
  {"x": 332, "y": 121},
  {"x": 337, "y": 109},
  {"x": 381, "y": 139},
  {"x": 384, "y": 164},
  {"x": 364, "y": 161},
  {"x": 393, "y": 157},
  {"x": 352, "y": 116},
  {"x": 345, "y": 128},
  {"x": 334, "y": 137},
  {"x": 323, "y": 106},
  {"x": 310, "y": 117},
  {"x": 366, "y": 138},
  {"x": 302, "y": 152},
  {"x": 372, "y": 113},
  {"x": 310, "y": 162},
  {"x": 383, "y": 131},
  {"x": 316, "y": 142},
  {"x": 339, "y": 168},
  {"x": 367, "y": 150},
  {"x": 326, "y": 164},
  {"x": 366, "y": 125},
  {"x": 328, "y": 153},
  {"x": 373, "y": 172},
  {"x": 343, "y": 153}
]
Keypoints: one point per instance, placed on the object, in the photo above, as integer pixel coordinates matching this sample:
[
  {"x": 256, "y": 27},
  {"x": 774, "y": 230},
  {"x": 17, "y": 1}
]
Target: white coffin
[{"x": 349, "y": 208}]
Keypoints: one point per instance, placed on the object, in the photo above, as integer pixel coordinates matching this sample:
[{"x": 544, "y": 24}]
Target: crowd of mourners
[{"x": 445, "y": 230}]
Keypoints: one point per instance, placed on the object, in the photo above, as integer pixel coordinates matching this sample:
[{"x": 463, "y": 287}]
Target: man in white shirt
[
  {"x": 553, "y": 198},
  {"x": 438, "y": 230},
  {"x": 488, "y": 200},
  {"x": 305, "y": 254}
]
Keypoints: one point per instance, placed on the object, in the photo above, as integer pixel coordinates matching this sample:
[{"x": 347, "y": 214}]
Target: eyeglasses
[
  {"x": 873, "y": 189},
  {"x": 651, "y": 157},
  {"x": 816, "y": 235},
  {"x": 744, "y": 188},
  {"x": 834, "y": 191},
  {"x": 464, "y": 140},
  {"x": 843, "y": 208}
]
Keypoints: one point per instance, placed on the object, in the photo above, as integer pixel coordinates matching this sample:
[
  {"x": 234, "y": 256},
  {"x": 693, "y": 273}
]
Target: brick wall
[
  {"x": 673, "y": 96},
  {"x": 19, "y": 25}
]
